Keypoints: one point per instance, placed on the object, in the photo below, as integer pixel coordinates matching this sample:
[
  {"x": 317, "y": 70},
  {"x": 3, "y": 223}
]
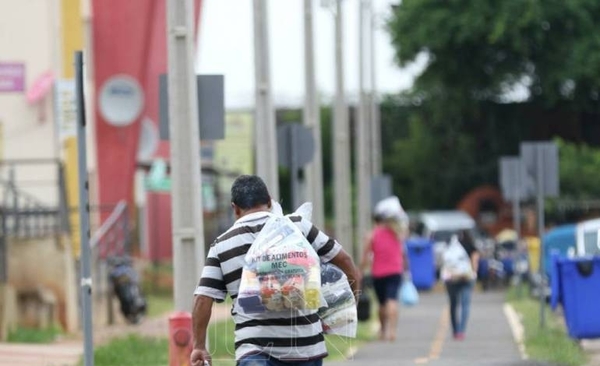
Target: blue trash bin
[
  {"x": 558, "y": 241},
  {"x": 422, "y": 265},
  {"x": 575, "y": 285}
]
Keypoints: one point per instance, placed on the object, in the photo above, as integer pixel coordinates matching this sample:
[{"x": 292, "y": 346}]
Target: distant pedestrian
[
  {"x": 459, "y": 273},
  {"x": 384, "y": 255}
]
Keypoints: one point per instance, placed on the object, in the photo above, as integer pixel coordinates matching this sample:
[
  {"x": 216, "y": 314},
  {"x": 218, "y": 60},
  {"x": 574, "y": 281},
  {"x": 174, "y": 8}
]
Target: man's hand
[
  {"x": 198, "y": 356},
  {"x": 200, "y": 318}
]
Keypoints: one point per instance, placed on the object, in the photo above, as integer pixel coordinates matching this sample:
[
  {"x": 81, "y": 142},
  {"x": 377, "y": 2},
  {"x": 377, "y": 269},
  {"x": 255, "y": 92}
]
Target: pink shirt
[{"x": 387, "y": 252}]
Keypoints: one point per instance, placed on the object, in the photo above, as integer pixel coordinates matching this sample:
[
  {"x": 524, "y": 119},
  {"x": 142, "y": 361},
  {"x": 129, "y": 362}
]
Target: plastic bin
[
  {"x": 422, "y": 265},
  {"x": 575, "y": 285},
  {"x": 558, "y": 242}
]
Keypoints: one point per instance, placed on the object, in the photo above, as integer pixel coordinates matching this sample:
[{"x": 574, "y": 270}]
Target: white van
[
  {"x": 588, "y": 238},
  {"x": 440, "y": 226}
]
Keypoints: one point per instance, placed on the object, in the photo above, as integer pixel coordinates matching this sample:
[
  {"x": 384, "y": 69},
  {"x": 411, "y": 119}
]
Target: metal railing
[
  {"x": 113, "y": 237},
  {"x": 24, "y": 215},
  {"x": 111, "y": 240}
]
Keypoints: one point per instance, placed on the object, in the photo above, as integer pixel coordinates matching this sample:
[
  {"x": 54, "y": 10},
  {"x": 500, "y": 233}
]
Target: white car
[
  {"x": 588, "y": 238},
  {"x": 440, "y": 226}
]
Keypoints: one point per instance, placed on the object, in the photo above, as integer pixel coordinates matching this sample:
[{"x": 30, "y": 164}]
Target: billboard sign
[{"x": 12, "y": 77}]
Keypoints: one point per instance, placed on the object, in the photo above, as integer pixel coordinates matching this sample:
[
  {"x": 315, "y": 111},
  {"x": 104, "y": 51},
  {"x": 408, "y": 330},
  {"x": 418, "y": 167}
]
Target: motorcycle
[{"x": 126, "y": 287}]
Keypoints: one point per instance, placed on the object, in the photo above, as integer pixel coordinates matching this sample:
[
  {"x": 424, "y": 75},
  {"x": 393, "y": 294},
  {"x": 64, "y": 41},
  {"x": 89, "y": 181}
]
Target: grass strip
[{"x": 551, "y": 343}]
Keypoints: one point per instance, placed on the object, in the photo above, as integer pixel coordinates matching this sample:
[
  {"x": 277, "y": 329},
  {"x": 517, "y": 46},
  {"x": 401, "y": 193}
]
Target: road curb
[{"x": 516, "y": 328}]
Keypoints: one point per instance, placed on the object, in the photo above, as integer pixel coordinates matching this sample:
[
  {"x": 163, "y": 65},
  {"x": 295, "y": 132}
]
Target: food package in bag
[
  {"x": 281, "y": 271},
  {"x": 339, "y": 316}
]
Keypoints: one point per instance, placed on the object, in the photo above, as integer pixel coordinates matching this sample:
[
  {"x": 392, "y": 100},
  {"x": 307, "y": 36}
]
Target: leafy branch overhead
[{"x": 484, "y": 49}]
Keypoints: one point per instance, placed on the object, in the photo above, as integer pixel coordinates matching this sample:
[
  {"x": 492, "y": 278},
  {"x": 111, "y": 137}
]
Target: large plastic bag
[
  {"x": 339, "y": 316},
  {"x": 409, "y": 295},
  {"x": 281, "y": 271},
  {"x": 390, "y": 208},
  {"x": 456, "y": 262}
]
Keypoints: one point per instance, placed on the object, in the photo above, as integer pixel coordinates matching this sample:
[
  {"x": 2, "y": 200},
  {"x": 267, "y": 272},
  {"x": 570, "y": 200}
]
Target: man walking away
[{"x": 269, "y": 339}]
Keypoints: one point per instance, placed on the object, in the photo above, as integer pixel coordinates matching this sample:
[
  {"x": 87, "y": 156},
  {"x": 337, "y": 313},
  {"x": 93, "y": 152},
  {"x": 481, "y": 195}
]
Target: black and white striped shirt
[{"x": 296, "y": 335}]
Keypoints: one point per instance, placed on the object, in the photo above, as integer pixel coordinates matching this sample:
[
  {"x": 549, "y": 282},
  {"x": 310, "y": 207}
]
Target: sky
[{"x": 226, "y": 47}]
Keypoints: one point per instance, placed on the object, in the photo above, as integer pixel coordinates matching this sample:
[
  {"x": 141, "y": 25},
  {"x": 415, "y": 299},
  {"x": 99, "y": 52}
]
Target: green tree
[
  {"x": 444, "y": 136},
  {"x": 579, "y": 170},
  {"x": 481, "y": 49}
]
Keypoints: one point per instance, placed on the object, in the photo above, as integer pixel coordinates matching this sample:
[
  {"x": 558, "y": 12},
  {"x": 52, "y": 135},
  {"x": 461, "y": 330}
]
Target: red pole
[{"x": 180, "y": 338}]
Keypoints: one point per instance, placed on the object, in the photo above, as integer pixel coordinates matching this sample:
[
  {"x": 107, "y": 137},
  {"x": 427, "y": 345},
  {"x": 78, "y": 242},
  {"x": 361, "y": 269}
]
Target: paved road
[{"x": 424, "y": 337}]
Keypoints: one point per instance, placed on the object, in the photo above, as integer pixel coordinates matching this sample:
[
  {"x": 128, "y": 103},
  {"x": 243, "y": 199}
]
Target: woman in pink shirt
[{"x": 384, "y": 251}]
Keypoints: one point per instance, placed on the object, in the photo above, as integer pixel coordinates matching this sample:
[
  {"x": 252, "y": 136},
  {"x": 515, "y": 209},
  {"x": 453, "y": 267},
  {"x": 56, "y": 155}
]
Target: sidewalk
[
  {"x": 68, "y": 352},
  {"x": 424, "y": 337}
]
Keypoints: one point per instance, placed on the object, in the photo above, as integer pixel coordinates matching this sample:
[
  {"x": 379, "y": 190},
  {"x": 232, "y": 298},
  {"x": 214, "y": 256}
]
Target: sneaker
[{"x": 459, "y": 336}]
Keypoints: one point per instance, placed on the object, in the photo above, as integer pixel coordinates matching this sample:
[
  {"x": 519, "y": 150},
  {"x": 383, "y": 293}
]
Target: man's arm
[
  {"x": 200, "y": 318},
  {"x": 344, "y": 261}
]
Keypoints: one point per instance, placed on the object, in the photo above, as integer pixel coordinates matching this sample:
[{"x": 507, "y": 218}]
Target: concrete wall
[
  {"x": 35, "y": 265},
  {"x": 8, "y": 310},
  {"x": 28, "y": 35}
]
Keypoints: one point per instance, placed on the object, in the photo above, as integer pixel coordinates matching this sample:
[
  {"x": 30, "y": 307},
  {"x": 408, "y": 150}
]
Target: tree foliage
[
  {"x": 445, "y": 136},
  {"x": 482, "y": 49},
  {"x": 579, "y": 170}
]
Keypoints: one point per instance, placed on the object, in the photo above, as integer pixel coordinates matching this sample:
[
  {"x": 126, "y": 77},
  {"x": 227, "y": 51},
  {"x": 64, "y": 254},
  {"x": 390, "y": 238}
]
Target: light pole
[
  {"x": 362, "y": 138},
  {"x": 188, "y": 240},
  {"x": 312, "y": 120},
  {"x": 341, "y": 144},
  {"x": 265, "y": 141}
]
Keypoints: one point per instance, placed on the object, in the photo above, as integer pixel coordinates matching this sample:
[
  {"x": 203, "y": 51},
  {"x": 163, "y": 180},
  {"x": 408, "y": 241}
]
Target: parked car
[
  {"x": 440, "y": 226},
  {"x": 588, "y": 238}
]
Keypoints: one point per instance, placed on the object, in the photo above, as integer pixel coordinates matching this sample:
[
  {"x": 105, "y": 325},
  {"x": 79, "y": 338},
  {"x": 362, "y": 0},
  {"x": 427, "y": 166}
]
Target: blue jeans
[
  {"x": 459, "y": 294},
  {"x": 261, "y": 359}
]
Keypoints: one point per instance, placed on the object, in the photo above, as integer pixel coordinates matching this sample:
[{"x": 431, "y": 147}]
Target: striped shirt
[{"x": 294, "y": 337}]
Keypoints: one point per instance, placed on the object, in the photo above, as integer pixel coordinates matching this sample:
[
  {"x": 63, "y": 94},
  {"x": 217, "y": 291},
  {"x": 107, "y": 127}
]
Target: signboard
[
  {"x": 543, "y": 156},
  {"x": 121, "y": 100},
  {"x": 296, "y": 145},
  {"x": 12, "y": 77},
  {"x": 211, "y": 106},
  {"x": 512, "y": 180},
  {"x": 381, "y": 187},
  {"x": 65, "y": 108}
]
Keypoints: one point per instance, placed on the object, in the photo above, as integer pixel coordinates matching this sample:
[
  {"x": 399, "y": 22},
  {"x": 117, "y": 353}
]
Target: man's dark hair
[{"x": 249, "y": 191}]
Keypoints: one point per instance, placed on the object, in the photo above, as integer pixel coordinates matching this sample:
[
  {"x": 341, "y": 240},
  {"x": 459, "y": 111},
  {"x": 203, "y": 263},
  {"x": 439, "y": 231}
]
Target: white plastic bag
[
  {"x": 282, "y": 270},
  {"x": 339, "y": 316},
  {"x": 456, "y": 262},
  {"x": 390, "y": 208}
]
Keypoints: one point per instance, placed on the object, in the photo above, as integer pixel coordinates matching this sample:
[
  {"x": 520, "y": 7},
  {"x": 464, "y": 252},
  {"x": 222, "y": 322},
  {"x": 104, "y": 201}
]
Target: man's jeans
[
  {"x": 264, "y": 360},
  {"x": 459, "y": 294}
]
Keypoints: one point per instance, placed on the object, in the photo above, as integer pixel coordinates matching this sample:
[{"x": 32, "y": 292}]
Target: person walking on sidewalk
[
  {"x": 263, "y": 338},
  {"x": 384, "y": 254},
  {"x": 459, "y": 272}
]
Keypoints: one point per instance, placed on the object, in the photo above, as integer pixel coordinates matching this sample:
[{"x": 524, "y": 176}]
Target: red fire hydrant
[{"x": 180, "y": 338}]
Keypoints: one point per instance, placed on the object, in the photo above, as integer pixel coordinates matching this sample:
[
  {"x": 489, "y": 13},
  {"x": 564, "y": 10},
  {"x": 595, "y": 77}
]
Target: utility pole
[
  {"x": 363, "y": 158},
  {"x": 265, "y": 135},
  {"x": 539, "y": 156},
  {"x": 375, "y": 116},
  {"x": 313, "y": 172},
  {"x": 188, "y": 240},
  {"x": 84, "y": 215},
  {"x": 341, "y": 145}
]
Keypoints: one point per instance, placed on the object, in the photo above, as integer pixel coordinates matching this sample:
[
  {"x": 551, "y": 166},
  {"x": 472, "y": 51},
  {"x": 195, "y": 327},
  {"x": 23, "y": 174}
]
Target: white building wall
[{"x": 29, "y": 35}]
